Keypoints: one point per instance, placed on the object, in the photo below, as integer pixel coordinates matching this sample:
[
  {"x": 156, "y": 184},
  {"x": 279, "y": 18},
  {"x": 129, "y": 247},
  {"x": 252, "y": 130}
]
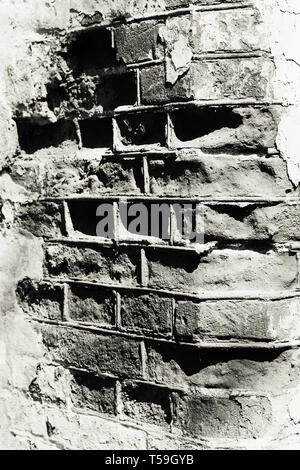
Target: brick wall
[{"x": 147, "y": 342}]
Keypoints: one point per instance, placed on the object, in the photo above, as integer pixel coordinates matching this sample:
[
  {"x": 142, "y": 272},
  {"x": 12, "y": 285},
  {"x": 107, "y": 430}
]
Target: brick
[
  {"x": 146, "y": 403},
  {"x": 93, "y": 393},
  {"x": 277, "y": 223},
  {"x": 240, "y": 319},
  {"x": 138, "y": 42},
  {"x": 237, "y": 30},
  {"x": 43, "y": 301},
  {"x": 148, "y": 313},
  {"x": 210, "y": 80},
  {"x": 152, "y": 83},
  {"x": 88, "y": 175},
  {"x": 93, "y": 352},
  {"x": 223, "y": 127},
  {"x": 41, "y": 219},
  {"x": 170, "y": 364},
  {"x": 223, "y": 270},
  {"x": 236, "y": 78},
  {"x": 87, "y": 262},
  {"x": 215, "y": 417},
  {"x": 188, "y": 367},
  {"x": 144, "y": 129},
  {"x": 154, "y": 89},
  {"x": 91, "y": 304},
  {"x": 109, "y": 176},
  {"x": 204, "y": 175},
  {"x": 82, "y": 173}
]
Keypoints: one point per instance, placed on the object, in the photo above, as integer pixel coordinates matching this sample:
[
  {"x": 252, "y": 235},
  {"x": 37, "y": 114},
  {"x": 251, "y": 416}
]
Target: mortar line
[
  {"x": 199, "y": 250},
  {"x": 69, "y": 228},
  {"x": 164, "y": 14},
  {"x": 118, "y": 319},
  {"x": 98, "y": 112},
  {"x": 240, "y": 296},
  {"x": 188, "y": 199},
  {"x": 138, "y": 88},
  {"x": 207, "y": 345},
  {"x": 146, "y": 176},
  {"x": 66, "y": 293},
  {"x": 187, "y": 388},
  {"x": 144, "y": 269}
]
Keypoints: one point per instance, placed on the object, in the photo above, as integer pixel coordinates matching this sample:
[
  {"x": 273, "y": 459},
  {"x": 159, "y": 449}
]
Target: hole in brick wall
[
  {"x": 96, "y": 133},
  {"x": 88, "y": 260},
  {"x": 40, "y": 300},
  {"x": 206, "y": 362},
  {"x": 186, "y": 262},
  {"x": 236, "y": 212},
  {"x": 156, "y": 220},
  {"x": 93, "y": 393},
  {"x": 117, "y": 90},
  {"x": 91, "y": 50},
  {"x": 91, "y": 304},
  {"x": 33, "y": 137},
  {"x": 147, "y": 403},
  {"x": 56, "y": 94},
  {"x": 142, "y": 129},
  {"x": 117, "y": 175},
  {"x": 83, "y": 215},
  {"x": 192, "y": 123}
]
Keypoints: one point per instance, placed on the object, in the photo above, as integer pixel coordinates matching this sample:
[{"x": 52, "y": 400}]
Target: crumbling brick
[
  {"x": 225, "y": 270},
  {"x": 138, "y": 42},
  {"x": 148, "y": 313},
  {"x": 237, "y": 417},
  {"x": 92, "y": 305},
  {"x": 94, "y": 352}
]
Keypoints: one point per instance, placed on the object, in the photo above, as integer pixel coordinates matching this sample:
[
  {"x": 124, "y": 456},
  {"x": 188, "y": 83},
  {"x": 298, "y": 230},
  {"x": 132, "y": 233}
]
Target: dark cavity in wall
[
  {"x": 117, "y": 90},
  {"x": 33, "y": 136},
  {"x": 56, "y": 94},
  {"x": 192, "y": 123},
  {"x": 143, "y": 128},
  {"x": 83, "y": 215},
  {"x": 96, "y": 133},
  {"x": 117, "y": 174},
  {"x": 91, "y": 50},
  {"x": 237, "y": 212},
  {"x": 147, "y": 403}
]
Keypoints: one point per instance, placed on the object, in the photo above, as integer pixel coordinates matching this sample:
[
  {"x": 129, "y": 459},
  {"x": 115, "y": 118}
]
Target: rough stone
[
  {"x": 148, "y": 313},
  {"x": 244, "y": 319},
  {"x": 193, "y": 175},
  {"x": 224, "y": 270},
  {"x": 93, "y": 352}
]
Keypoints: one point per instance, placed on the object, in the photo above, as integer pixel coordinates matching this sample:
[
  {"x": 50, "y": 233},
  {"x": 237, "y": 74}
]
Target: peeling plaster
[
  {"x": 174, "y": 34},
  {"x": 282, "y": 21}
]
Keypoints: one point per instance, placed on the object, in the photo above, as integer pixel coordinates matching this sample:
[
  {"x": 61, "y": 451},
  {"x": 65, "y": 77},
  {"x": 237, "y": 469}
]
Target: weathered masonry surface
[{"x": 139, "y": 342}]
